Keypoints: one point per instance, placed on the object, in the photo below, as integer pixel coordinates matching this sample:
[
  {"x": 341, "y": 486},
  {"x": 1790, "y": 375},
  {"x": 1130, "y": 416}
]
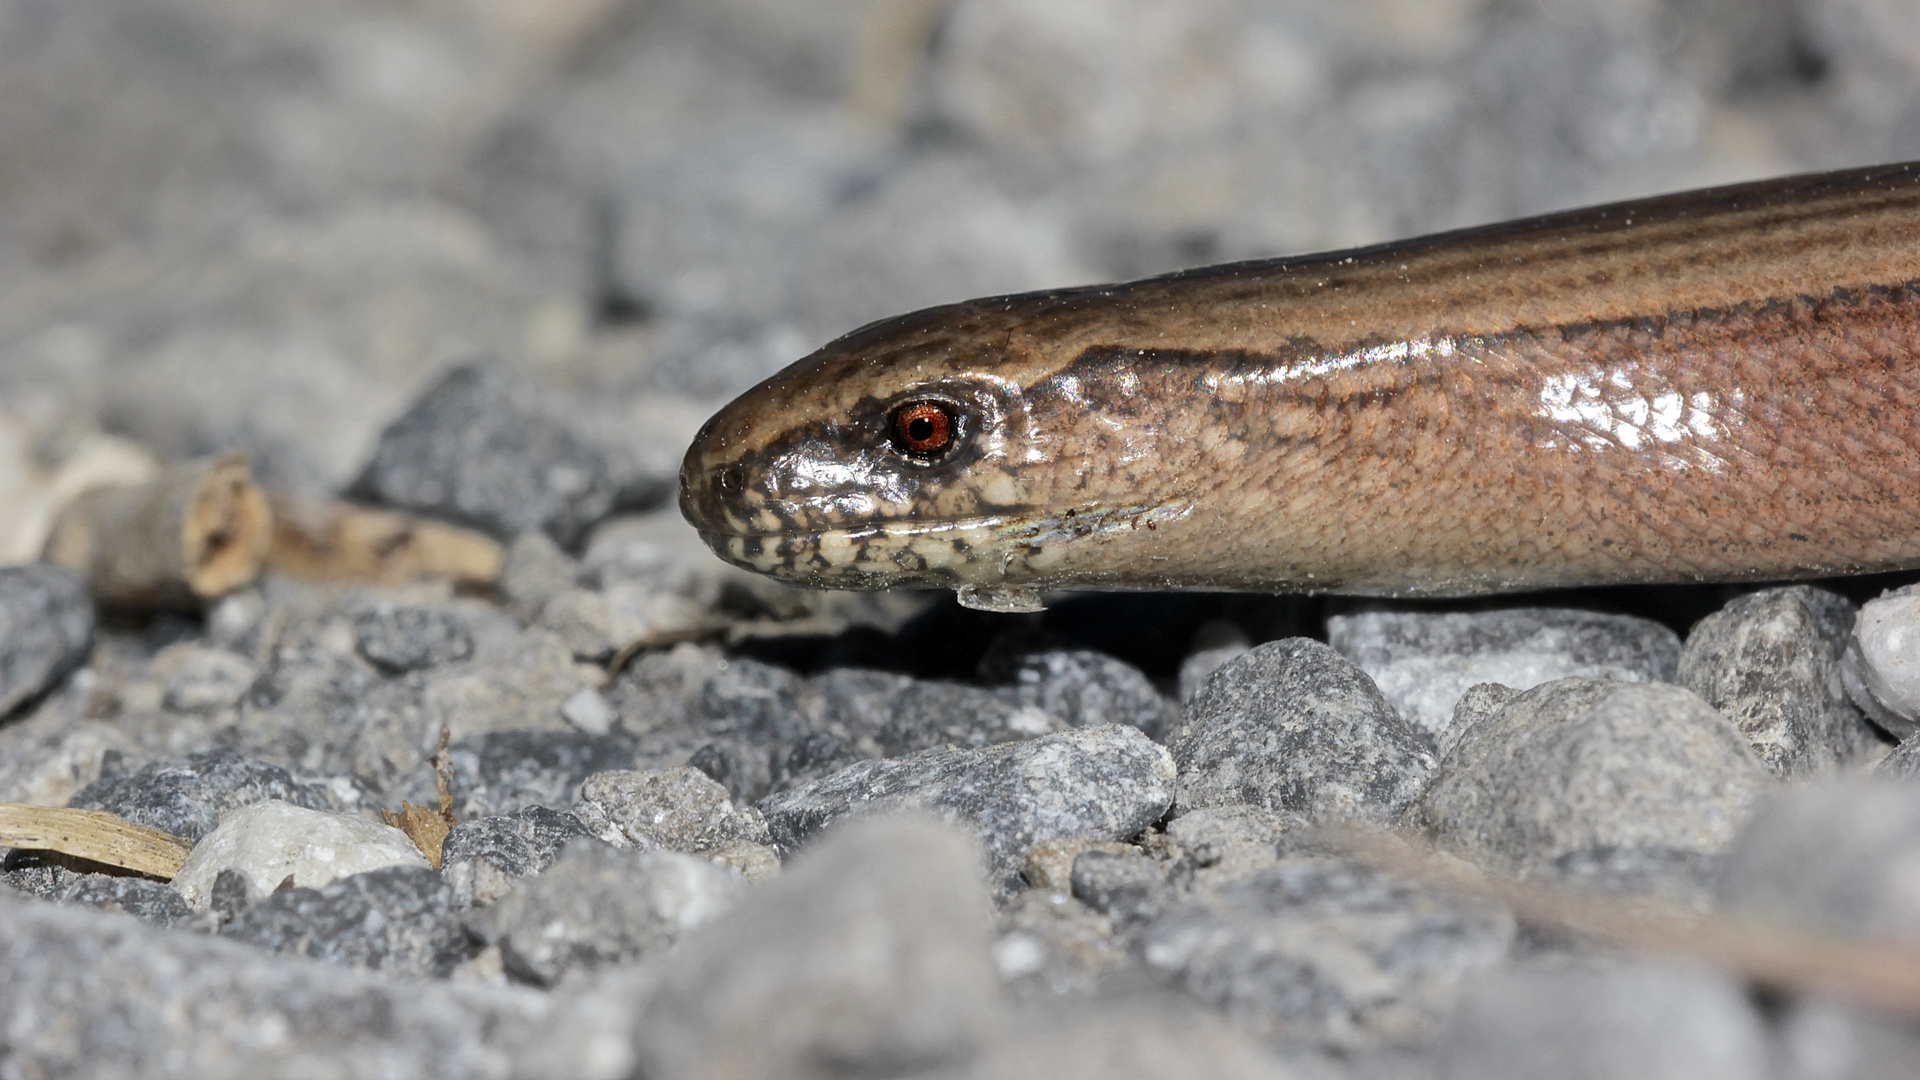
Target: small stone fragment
[
  {"x": 589, "y": 712},
  {"x": 1586, "y": 765},
  {"x": 504, "y": 771},
  {"x": 1083, "y": 687},
  {"x": 189, "y": 796},
  {"x": 272, "y": 841},
  {"x": 1295, "y": 726},
  {"x": 676, "y": 810},
  {"x": 1613, "y": 1021},
  {"x": 1328, "y": 951},
  {"x": 535, "y": 571},
  {"x": 520, "y": 689},
  {"x": 1048, "y": 865},
  {"x": 1771, "y": 662},
  {"x": 1880, "y": 670},
  {"x": 1423, "y": 662},
  {"x": 46, "y": 627},
  {"x": 598, "y": 905},
  {"x": 398, "y": 919},
  {"x": 204, "y": 680},
  {"x": 1127, "y": 888},
  {"x": 404, "y": 638},
  {"x": 1107, "y": 783},
  {"x": 868, "y": 957},
  {"x": 597, "y": 625},
  {"x": 143, "y": 898},
  {"x": 1220, "y": 843},
  {"x": 482, "y": 858}
]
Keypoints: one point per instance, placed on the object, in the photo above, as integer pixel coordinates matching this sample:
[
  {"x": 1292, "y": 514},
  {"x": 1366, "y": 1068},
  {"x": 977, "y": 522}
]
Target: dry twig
[{"x": 93, "y": 835}]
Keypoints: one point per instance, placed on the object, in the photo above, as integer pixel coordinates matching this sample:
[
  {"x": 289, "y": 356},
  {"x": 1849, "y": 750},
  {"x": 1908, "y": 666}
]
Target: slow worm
[{"x": 1718, "y": 385}]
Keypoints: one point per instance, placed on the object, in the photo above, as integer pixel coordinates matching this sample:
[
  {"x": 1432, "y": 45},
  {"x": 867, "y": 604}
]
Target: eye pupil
[{"x": 923, "y": 429}]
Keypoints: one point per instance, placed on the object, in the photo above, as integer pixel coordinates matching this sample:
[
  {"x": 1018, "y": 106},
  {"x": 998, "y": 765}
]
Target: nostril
[{"x": 731, "y": 480}]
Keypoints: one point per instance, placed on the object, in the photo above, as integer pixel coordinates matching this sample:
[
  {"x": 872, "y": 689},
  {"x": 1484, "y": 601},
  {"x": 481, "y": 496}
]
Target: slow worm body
[{"x": 1714, "y": 385}]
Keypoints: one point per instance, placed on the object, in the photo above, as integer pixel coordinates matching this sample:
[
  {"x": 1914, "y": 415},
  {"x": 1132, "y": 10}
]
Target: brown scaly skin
[{"x": 1712, "y": 386}]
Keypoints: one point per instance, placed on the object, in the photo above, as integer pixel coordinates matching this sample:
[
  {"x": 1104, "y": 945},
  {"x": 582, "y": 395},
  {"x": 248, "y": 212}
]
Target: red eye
[{"x": 923, "y": 429}]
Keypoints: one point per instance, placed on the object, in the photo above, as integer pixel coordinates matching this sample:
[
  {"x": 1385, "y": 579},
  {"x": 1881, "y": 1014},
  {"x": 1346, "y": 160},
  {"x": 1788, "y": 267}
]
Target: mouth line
[
  {"x": 901, "y": 530},
  {"x": 1040, "y": 528}
]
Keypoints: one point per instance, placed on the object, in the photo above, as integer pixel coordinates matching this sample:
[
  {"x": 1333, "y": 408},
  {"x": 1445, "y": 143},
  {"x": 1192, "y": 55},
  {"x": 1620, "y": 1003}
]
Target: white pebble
[
  {"x": 1882, "y": 668},
  {"x": 270, "y": 841}
]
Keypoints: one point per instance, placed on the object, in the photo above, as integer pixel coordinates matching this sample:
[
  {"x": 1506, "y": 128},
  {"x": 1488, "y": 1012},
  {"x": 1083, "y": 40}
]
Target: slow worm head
[{"x": 1716, "y": 385}]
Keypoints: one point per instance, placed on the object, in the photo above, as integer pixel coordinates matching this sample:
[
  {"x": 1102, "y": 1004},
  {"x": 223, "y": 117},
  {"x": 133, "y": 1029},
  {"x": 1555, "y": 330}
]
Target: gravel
[
  {"x": 1590, "y": 766},
  {"x": 495, "y": 263},
  {"x": 1423, "y": 663},
  {"x": 597, "y": 905},
  {"x": 1771, "y": 662},
  {"x": 1293, "y": 725},
  {"x": 1108, "y": 782}
]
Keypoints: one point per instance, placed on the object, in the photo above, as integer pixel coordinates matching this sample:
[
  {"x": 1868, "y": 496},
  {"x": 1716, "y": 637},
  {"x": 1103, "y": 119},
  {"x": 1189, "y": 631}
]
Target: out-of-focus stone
[
  {"x": 112, "y": 997},
  {"x": 1327, "y": 950},
  {"x": 1424, "y": 662},
  {"x": 1107, "y": 782},
  {"x": 1143, "y": 1037},
  {"x": 46, "y": 627},
  {"x": 483, "y": 448},
  {"x": 535, "y": 571},
  {"x": 1586, "y": 765},
  {"x": 272, "y": 841},
  {"x": 1125, "y": 887},
  {"x": 189, "y": 797},
  {"x": 869, "y": 955},
  {"x": 481, "y": 859},
  {"x": 1220, "y": 843},
  {"x": 398, "y": 919},
  {"x": 1293, "y": 725},
  {"x": 401, "y": 639},
  {"x": 596, "y": 625},
  {"x": 1771, "y": 662},
  {"x": 520, "y": 690},
  {"x": 202, "y": 680},
  {"x": 1617, "y": 1021},
  {"x": 597, "y": 905},
  {"x": 1840, "y": 859}
]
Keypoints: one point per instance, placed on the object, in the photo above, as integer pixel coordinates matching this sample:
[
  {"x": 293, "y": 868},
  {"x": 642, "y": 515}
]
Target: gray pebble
[
  {"x": 402, "y": 638},
  {"x": 1771, "y": 662},
  {"x": 926, "y": 714},
  {"x": 1424, "y": 662},
  {"x": 597, "y": 906},
  {"x": 1127, "y": 888},
  {"x": 1585, "y": 765},
  {"x": 504, "y": 771},
  {"x": 675, "y": 810},
  {"x": 205, "y": 680},
  {"x": 534, "y": 571},
  {"x": 188, "y": 796},
  {"x": 1138, "y": 1036},
  {"x": 1107, "y": 782},
  {"x": 867, "y": 957},
  {"x": 1083, "y": 687},
  {"x": 1293, "y": 725},
  {"x": 1903, "y": 763},
  {"x": 1328, "y": 951},
  {"x": 1824, "y": 1039},
  {"x": 1616, "y": 1021},
  {"x": 1838, "y": 858},
  {"x": 46, "y": 627},
  {"x": 399, "y": 919},
  {"x": 484, "y": 448},
  {"x": 151, "y": 902},
  {"x": 482, "y": 858}
]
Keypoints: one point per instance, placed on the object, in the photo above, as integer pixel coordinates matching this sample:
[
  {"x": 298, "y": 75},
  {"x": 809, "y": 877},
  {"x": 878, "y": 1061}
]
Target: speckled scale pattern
[{"x": 1715, "y": 385}]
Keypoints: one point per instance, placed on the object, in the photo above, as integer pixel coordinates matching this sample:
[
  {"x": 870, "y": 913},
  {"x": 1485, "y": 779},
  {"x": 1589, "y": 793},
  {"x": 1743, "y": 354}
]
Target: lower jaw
[{"x": 945, "y": 555}]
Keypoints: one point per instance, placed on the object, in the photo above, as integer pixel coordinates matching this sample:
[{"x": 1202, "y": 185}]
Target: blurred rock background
[{"x": 269, "y": 225}]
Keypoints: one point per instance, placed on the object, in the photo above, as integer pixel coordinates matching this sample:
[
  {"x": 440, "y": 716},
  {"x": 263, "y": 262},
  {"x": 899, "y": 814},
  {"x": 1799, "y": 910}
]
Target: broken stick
[
  {"x": 93, "y": 835},
  {"x": 190, "y": 535}
]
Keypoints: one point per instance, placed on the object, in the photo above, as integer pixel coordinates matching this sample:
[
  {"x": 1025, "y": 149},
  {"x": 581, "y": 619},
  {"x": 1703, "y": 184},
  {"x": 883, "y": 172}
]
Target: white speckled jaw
[{"x": 994, "y": 563}]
